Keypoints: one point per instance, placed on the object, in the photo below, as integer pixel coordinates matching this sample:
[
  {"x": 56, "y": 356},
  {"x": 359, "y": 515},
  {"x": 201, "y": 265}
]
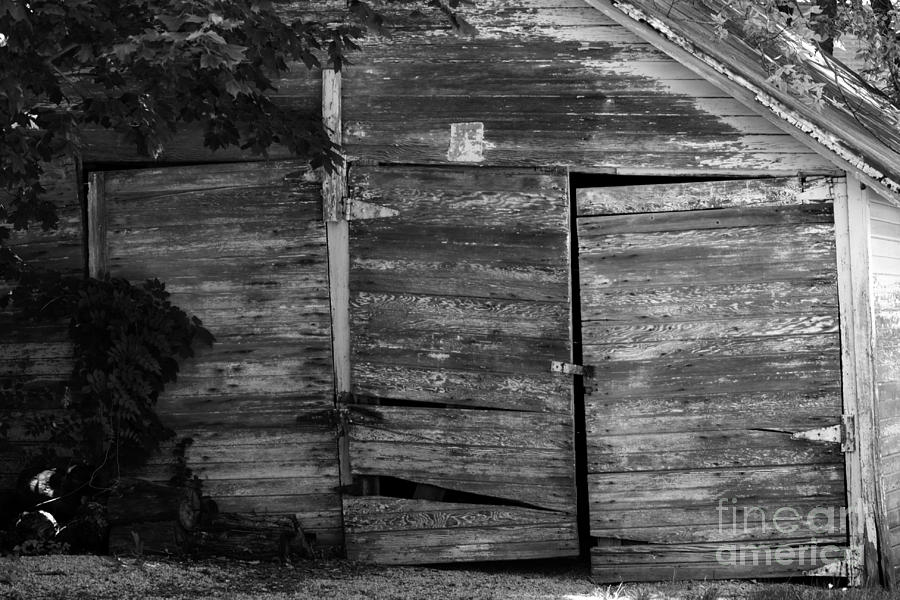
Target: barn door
[
  {"x": 460, "y": 436},
  {"x": 710, "y": 314}
]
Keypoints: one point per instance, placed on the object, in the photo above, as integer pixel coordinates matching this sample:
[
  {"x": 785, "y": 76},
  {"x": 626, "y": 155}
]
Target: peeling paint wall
[{"x": 548, "y": 82}]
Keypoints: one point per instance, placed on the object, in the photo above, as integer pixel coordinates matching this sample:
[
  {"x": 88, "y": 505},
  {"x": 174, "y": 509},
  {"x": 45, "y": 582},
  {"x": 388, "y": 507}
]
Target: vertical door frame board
[
  {"x": 337, "y": 233},
  {"x": 851, "y": 224},
  {"x": 97, "y": 248}
]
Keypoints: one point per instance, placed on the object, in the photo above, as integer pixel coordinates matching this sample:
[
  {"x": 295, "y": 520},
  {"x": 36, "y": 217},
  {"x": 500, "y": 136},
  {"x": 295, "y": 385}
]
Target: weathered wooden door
[
  {"x": 460, "y": 437},
  {"x": 710, "y": 313}
]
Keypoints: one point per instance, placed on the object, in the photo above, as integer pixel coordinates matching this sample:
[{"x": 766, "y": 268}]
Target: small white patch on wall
[{"x": 466, "y": 142}]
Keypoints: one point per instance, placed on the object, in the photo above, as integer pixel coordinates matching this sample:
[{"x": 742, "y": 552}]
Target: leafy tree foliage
[
  {"x": 141, "y": 68},
  {"x": 128, "y": 342},
  {"x": 144, "y": 67},
  {"x": 867, "y": 29}
]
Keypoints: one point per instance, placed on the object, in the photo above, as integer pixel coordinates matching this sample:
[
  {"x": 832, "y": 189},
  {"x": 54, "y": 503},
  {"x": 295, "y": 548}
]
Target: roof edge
[{"x": 664, "y": 38}]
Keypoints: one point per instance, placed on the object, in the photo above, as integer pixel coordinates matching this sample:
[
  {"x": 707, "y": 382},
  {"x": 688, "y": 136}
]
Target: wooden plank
[
  {"x": 713, "y": 346},
  {"x": 455, "y": 426},
  {"x": 717, "y": 218},
  {"x": 753, "y": 241},
  {"x": 715, "y": 449},
  {"x": 461, "y": 314},
  {"x": 664, "y": 489},
  {"x": 396, "y": 531},
  {"x": 734, "y": 269},
  {"x": 777, "y": 192},
  {"x": 536, "y": 392},
  {"x": 710, "y": 300},
  {"x": 500, "y": 354},
  {"x": 669, "y": 562},
  {"x": 763, "y": 521},
  {"x": 507, "y": 199},
  {"x": 373, "y": 272},
  {"x": 718, "y": 375},
  {"x": 692, "y": 412},
  {"x": 722, "y": 328}
]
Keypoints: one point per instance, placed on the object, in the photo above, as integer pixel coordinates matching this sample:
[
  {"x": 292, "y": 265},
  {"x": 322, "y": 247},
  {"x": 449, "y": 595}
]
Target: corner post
[{"x": 865, "y": 526}]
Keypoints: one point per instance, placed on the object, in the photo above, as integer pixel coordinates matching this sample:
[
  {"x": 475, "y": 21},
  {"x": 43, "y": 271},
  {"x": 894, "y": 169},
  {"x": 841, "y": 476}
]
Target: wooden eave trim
[{"x": 662, "y": 37}]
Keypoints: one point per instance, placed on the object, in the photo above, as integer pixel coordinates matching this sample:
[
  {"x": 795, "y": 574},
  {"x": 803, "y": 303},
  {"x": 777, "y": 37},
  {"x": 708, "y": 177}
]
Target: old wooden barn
[{"x": 590, "y": 283}]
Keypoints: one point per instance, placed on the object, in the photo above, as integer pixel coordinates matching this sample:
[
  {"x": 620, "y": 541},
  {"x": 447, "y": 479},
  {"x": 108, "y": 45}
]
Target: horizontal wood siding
[
  {"x": 36, "y": 359},
  {"x": 458, "y": 303},
  {"x": 885, "y": 273},
  {"x": 710, "y": 314},
  {"x": 547, "y": 82},
  {"x": 242, "y": 246}
]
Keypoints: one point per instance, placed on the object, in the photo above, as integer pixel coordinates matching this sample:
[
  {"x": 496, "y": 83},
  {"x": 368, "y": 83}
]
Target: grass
[{"x": 107, "y": 578}]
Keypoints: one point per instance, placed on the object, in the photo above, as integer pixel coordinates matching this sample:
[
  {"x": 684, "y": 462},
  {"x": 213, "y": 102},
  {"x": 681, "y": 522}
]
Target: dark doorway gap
[
  {"x": 588, "y": 180},
  {"x": 396, "y": 487},
  {"x": 362, "y": 400}
]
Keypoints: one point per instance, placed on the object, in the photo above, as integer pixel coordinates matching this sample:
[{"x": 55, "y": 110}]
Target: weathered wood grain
[
  {"x": 461, "y": 298},
  {"x": 714, "y": 340},
  {"x": 750, "y": 243},
  {"x": 714, "y": 449},
  {"x": 511, "y": 279},
  {"x": 537, "y": 392},
  {"x": 719, "y": 375},
  {"x": 683, "y": 412},
  {"x": 722, "y": 328},
  {"x": 676, "y": 220},
  {"x": 710, "y": 300},
  {"x": 462, "y": 449},
  {"x": 713, "y": 561},
  {"x": 728, "y": 521},
  {"x": 260, "y": 401},
  {"x": 497, "y": 354},
  {"x": 691, "y": 348},
  {"x": 662, "y": 489},
  {"x": 453, "y": 426},
  {"x": 702, "y": 195},
  {"x": 585, "y": 63},
  {"x": 381, "y": 529},
  {"x": 459, "y": 313}
]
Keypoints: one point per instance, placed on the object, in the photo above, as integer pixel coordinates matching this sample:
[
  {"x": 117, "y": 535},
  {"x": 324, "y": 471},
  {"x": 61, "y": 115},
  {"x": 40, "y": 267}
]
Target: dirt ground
[{"x": 99, "y": 578}]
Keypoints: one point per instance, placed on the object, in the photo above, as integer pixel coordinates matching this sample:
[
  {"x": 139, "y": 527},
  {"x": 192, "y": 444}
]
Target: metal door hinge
[
  {"x": 586, "y": 372},
  {"x": 843, "y": 433}
]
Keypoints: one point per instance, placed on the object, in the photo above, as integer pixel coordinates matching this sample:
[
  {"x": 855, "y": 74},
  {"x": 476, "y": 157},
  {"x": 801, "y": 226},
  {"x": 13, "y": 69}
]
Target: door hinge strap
[{"x": 843, "y": 433}]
